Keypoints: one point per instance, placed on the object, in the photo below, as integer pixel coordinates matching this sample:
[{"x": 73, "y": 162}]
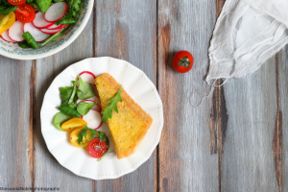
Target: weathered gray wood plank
[
  {"x": 185, "y": 160},
  {"x": 248, "y": 163},
  {"x": 127, "y": 29},
  {"x": 15, "y": 149},
  {"x": 282, "y": 60},
  {"x": 48, "y": 173}
]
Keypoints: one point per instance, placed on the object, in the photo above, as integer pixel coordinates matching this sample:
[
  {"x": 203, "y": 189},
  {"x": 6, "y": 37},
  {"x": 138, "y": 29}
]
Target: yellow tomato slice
[
  {"x": 74, "y": 136},
  {"x": 73, "y": 123},
  {"x": 6, "y": 21}
]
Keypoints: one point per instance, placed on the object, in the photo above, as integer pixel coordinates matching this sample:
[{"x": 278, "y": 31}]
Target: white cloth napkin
[{"x": 247, "y": 33}]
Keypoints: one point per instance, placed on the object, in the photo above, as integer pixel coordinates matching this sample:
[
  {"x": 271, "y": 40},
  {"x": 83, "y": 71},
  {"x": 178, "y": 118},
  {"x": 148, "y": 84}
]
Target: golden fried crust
[{"x": 130, "y": 124}]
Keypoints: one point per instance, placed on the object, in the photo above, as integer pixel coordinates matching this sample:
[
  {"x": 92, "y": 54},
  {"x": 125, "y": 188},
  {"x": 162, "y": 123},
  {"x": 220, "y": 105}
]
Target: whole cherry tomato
[
  {"x": 98, "y": 146},
  {"x": 182, "y": 62}
]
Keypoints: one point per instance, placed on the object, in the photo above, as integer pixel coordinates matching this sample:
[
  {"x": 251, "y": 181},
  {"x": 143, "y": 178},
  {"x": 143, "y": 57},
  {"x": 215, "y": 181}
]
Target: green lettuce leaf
[
  {"x": 85, "y": 90},
  {"x": 69, "y": 110},
  {"x": 83, "y": 108},
  {"x": 58, "y": 119},
  {"x": 65, "y": 94}
]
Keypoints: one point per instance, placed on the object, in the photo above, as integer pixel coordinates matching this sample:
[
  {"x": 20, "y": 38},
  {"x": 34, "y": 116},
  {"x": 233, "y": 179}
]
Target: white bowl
[
  {"x": 12, "y": 50},
  {"x": 137, "y": 85}
]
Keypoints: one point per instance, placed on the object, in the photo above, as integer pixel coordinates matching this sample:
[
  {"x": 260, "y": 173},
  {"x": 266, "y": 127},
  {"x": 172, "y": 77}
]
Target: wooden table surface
[{"x": 230, "y": 142}]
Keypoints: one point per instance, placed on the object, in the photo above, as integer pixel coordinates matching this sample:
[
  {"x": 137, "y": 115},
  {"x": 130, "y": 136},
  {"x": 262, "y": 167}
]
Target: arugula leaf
[
  {"x": 73, "y": 14},
  {"x": 30, "y": 40},
  {"x": 6, "y": 8},
  {"x": 43, "y": 5},
  {"x": 67, "y": 20},
  {"x": 85, "y": 90},
  {"x": 83, "y": 133},
  {"x": 24, "y": 45},
  {"x": 83, "y": 108},
  {"x": 54, "y": 37},
  {"x": 69, "y": 110},
  {"x": 65, "y": 94},
  {"x": 112, "y": 106},
  {"x": 58, "y": 119},
  {"x": 75, "y": 7},
  {"x": 102, "y": 136},
  {"x": 31, "y": 43}
]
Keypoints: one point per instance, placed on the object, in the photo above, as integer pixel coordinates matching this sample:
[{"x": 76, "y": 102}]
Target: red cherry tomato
[
  {"x": 97, "y": 148},
  {"x": 16, "y": 2},
  {"x": 183, "y": 61},
  {"x": 25, "y": 13}
]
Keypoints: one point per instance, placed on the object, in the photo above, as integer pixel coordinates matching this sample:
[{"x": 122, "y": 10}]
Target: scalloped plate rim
[{"x": 157, "y": 137}]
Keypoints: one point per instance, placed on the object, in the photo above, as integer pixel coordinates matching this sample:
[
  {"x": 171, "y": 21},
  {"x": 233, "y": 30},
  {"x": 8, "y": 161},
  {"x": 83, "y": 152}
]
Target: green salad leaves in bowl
[{"x": 34, "y": 29}]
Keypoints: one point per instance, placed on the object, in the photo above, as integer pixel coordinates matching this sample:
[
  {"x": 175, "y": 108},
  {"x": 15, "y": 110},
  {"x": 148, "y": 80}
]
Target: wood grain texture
[
  {"x": 278, "y": 151},
  {"x": 282, "y": 149},
  {"x": 15, "y": 168},
  {"x": 233, "y": 141},
  {"x": 48, "y": 172},
  {"x": 248, "y": 163},
  {"x": 218, "y": 117},
  {"x": 127, "y": 29},
  {"x": 277, "y": 144},
  {"x": 185, "y": 160}
]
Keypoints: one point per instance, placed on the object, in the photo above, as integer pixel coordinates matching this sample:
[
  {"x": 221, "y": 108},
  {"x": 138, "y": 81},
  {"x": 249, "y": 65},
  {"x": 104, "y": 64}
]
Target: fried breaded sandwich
[{"x": 129, "y": 125}]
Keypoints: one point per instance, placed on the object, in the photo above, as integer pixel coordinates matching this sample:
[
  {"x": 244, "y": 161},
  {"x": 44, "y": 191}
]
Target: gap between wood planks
[
  {"x": 157, "y": 169},
  {"x": 219, "y": 119},
  {"x": 32, "y": 122},
  {"x": 277, "y": 138}
]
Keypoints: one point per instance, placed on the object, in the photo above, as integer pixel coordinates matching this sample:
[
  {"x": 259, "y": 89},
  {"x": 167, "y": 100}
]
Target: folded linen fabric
[{"x": 247, "y": 33}]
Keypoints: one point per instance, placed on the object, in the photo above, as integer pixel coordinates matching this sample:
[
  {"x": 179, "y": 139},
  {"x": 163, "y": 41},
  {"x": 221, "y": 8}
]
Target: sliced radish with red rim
[
  {"x": 93, "y": 119},
  {"x": 15, "y": 32},
  {"x": 88, "y": 76},
  {"x": 50, "y": 31},
  {"x": 97, "y": 106},
  {"x": 36, "y": 33},
  {"x": 55, "y": 26},
  {"x": 6, "y": 37},
  {"x": 56, "y": 12},
  {"x": 39, "y": 21}
]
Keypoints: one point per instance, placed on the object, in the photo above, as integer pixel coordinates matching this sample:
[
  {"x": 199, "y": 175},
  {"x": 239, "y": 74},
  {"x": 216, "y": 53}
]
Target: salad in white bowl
[{"x": 35, "y": 24}]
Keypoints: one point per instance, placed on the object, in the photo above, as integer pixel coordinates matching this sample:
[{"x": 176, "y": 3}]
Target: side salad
[
  {"x": 35, "y": 23},
  {"x": 77, "y": 101}
]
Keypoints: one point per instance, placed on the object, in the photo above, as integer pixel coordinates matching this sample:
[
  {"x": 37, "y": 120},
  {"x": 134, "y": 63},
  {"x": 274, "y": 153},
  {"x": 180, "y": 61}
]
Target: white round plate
[
  {"x": 137, "y": 85},
  {"x": 13, "y": 51}
]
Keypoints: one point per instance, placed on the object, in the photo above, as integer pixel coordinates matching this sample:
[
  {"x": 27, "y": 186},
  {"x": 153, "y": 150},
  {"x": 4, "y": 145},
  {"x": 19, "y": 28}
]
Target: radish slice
[
  {"x": 93, "y": 119},
  {"x": 97, "y": 107},
  {"x": 50, "y": 31},
  {"x": 56, "y": 12},
  {"x": 36, "y": 33},
  {"x": 55, "y": 26},
  {"x": 39, "y": 21},
  {"x": 87, "y": 76},
  {"x": 99, "y": 126},
  {"x": 6, "y": 37},
  {"x": 15, "y": 32}
]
